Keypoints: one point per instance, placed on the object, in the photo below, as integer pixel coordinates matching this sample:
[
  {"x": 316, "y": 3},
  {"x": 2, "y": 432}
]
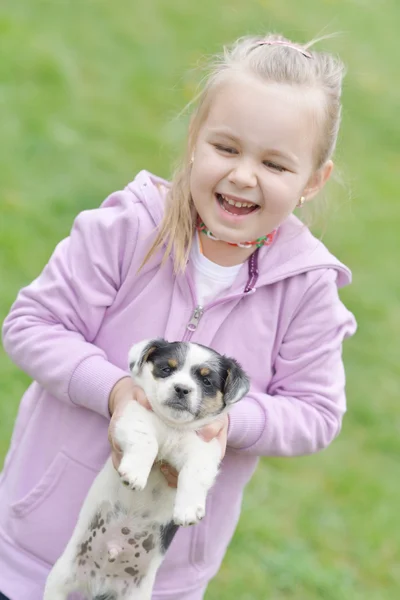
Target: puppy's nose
[{"x": 182, "y": 391}]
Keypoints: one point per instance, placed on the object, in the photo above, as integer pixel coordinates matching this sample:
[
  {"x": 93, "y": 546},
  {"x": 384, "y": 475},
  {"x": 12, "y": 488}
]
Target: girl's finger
[
  {"x": 140, "y": 396},
  {"x": 170, "y": 474},
  {"x": 209, "y": 432},
  {"x": 116, "y": 458}
]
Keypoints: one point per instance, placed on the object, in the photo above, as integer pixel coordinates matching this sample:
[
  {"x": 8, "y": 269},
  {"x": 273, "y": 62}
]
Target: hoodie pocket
[{"x": 43, "y": 520}]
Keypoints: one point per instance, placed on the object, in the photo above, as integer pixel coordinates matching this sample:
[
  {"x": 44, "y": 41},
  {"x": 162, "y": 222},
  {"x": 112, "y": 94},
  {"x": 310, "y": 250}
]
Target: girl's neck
[{"x": 222, "y": 253}]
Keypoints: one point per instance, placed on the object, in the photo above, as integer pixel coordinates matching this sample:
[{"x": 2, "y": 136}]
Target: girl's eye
[
  {"x": 206, "y": 381},
  {"x": 274, "y": 166},
  {"x": 226, "y": 149}
]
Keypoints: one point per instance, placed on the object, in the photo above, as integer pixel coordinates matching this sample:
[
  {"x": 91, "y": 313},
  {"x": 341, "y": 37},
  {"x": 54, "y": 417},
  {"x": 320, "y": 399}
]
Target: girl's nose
[{"x": 243, "y": 174}]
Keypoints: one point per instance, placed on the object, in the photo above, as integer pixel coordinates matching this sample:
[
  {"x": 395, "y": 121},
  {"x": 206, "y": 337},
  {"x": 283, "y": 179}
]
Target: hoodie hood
[{"x": 294, "y": 251}]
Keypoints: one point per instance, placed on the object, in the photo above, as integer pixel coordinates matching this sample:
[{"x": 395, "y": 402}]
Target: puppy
[{"x": 129, "y": 518}]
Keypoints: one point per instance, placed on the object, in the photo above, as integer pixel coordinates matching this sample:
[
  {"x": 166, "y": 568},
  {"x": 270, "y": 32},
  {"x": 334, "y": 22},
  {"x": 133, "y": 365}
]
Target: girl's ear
[{"x": 318, "y": 180}]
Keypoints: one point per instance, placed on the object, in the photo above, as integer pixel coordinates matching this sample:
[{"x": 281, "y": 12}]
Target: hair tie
[{"x": 287, "y": 44}]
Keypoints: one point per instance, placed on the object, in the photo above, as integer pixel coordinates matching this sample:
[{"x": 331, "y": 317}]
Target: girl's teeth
[{"x": 238, "y": 204}]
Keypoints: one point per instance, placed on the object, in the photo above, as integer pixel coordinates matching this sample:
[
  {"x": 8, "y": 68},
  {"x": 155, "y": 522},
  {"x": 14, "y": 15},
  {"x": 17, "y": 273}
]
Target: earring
[
  {"x": 301, "y": 202},
  {"x": 192, "y": 159}
]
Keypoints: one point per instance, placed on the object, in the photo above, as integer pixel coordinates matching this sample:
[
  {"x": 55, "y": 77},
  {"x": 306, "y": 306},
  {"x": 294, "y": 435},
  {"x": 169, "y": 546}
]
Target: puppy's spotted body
[{"x": 129, "y": 518}]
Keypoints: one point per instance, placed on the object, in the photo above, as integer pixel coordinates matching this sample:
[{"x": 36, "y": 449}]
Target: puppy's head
[{"x": 186, "y": 384}]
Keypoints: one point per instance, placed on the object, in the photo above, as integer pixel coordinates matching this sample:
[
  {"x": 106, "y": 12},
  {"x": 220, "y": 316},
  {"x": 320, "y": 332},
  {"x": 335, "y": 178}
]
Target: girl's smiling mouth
[{"x": 234, "y": 206}]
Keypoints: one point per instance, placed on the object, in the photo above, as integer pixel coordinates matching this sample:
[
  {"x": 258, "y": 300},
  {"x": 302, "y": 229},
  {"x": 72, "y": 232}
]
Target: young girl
[{"x": 215, "y": 257}]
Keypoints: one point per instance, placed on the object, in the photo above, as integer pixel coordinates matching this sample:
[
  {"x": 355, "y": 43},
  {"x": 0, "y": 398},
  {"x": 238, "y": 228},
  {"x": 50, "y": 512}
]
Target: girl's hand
[
  {"x": 216, "y": 429},
  {"x": 124, "y": 391}
]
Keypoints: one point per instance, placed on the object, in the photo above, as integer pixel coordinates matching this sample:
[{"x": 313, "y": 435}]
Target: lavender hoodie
[{"x": 71, "y": 329}]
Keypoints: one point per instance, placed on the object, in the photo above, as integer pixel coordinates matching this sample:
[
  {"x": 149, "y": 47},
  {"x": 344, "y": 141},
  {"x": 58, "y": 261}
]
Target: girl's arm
[
  {"x": 53, "y": 322},
  {"x": 302, "y": 410}
]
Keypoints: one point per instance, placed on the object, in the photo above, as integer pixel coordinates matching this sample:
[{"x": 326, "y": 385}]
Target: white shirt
[{"x": 210, "y": 279}]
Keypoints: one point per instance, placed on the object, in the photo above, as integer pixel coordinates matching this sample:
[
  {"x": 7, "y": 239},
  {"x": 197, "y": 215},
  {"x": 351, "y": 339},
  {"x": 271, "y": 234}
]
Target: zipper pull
[{"x": 196, "y": 316}]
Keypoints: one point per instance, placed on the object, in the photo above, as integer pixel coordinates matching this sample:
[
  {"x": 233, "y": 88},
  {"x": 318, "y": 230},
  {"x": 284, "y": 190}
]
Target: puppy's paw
[
  {"x": 185, "y": 515},
  {"x": 133, "y": 478}
]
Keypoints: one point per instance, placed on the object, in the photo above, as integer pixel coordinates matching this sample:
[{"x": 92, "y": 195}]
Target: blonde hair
[{"x": 282, "y": 62}]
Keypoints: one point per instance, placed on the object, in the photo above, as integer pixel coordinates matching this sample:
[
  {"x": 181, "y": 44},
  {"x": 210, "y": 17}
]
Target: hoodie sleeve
[
  {"x": 50, "y": 329},
  {"x": 303, "y": 409}
]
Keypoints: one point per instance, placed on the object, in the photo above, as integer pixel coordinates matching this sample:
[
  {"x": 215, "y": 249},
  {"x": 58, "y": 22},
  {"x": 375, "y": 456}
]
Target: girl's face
[{"x": 254, "y": 157}]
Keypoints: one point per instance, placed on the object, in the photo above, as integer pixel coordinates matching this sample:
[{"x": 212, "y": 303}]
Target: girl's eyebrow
[{"x": 224, "y": 133}]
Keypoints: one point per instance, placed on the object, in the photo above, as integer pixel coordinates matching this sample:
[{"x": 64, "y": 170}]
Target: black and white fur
[{"x": 130, "y": 517}]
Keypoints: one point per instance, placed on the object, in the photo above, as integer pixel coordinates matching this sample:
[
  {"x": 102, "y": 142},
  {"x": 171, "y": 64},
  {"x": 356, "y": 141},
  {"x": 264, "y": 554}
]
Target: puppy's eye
[
  {"x": 206, "y": 382},
  {"x": 166, "y": 370}
]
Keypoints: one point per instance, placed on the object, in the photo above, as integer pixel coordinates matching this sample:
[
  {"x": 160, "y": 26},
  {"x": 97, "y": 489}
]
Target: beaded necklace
[{"x": 265, "y": 240}]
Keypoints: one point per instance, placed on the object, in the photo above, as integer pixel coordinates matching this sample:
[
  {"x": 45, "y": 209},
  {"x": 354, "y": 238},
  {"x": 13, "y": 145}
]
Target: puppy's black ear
[
  {"x": 237, "y": 384},
  {"x": 141, "y": 352}
]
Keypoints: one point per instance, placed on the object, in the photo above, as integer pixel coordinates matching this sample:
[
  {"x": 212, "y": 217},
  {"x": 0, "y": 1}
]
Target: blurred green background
[{"x": 89, "y": 92}]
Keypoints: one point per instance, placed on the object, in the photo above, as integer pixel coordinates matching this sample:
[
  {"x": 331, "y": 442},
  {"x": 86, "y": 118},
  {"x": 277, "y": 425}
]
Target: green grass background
[{"x": 88, "y": 95}]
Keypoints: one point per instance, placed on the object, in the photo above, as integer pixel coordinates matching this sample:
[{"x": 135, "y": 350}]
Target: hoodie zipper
[
  {"x": 199, "y": 310},
  {"x": 194, "y": 321}
]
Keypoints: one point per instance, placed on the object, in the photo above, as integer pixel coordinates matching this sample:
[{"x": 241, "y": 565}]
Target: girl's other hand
[
  {"x": 216, "y": 429},
  {"x": 124, "y": 391}
]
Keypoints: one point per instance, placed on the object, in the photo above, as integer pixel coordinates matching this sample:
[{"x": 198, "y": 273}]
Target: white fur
[{"x": 144, "y": 437}]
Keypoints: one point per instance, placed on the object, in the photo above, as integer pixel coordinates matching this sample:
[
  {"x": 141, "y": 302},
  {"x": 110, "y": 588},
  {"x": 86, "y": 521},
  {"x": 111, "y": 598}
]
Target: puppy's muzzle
[
  {"x": 180, "y": 400},
  {"x": 182, "y": 391}
]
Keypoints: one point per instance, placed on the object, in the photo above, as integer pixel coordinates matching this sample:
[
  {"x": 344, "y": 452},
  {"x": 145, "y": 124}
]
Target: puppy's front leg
[
  {"x": 200, "y": 463},
  {"x": 136, "y": 434}
]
